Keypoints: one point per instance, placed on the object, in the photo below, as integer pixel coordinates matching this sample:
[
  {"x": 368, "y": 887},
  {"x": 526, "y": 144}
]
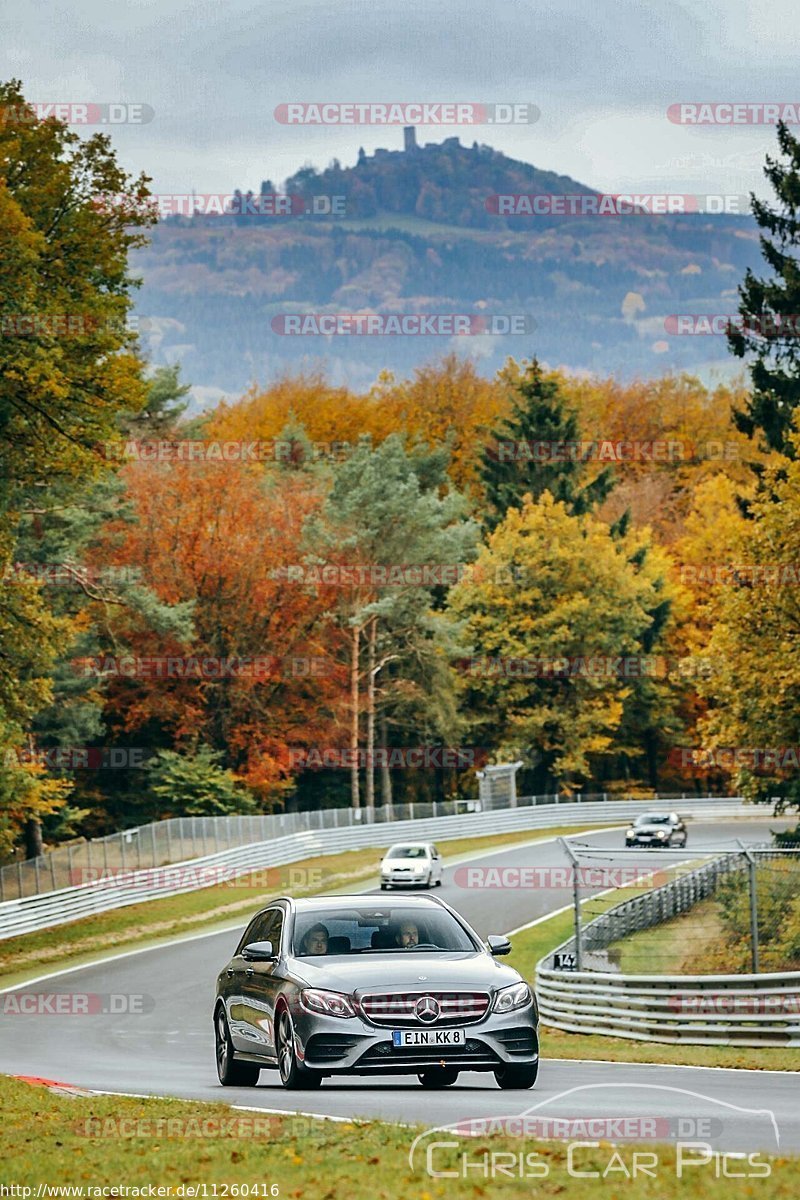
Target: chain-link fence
[
  {"x": 715, "y": 914},
  {"x": 181, "y": 838}
]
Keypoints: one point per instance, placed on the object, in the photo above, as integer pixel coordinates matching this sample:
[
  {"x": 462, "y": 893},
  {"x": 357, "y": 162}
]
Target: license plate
[{"x": 437, "y": 1039}]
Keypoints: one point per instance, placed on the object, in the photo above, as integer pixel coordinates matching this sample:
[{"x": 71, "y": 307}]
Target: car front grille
[
  {"x": 384, "y": 1054},
  {"x": 397, "y": 1008}
]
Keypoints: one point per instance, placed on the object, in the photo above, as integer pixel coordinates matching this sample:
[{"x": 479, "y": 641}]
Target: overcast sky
[{"x": 602, "y": 72}]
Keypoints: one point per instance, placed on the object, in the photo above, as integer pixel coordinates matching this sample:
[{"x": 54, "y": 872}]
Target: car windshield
[
  {"x": 395, "y": 930},
  {"x": 653, "y": 819},
  {"x": 408, "y": 852}
]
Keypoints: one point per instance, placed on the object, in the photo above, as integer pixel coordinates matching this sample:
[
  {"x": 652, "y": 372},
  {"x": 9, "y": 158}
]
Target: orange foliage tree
[{"x": 260, "y": 672}]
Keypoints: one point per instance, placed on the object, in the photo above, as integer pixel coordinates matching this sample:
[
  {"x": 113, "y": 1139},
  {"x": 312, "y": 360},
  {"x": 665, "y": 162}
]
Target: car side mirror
[
  {"x": 498, "y": 944},
  {"x": 259, "y": 952}
]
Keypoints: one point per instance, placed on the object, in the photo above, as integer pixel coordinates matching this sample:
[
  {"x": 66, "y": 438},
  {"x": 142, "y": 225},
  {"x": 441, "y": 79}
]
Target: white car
[{"x": 411, "y": 864}]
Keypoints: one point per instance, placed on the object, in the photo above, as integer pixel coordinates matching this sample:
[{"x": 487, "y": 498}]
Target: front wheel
[
  {"x": 231, "y": 1073},
  {"x": 293, "y": 1074},
  {"x": 521, "y": 1077},
  {"x": 438, "y": 1077}
]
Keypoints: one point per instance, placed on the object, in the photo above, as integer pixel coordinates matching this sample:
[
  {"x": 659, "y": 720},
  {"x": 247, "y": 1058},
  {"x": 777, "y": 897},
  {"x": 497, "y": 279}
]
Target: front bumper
[
  {"x": 405, "y": 880},
  {"x": 353, "y": 1045}
]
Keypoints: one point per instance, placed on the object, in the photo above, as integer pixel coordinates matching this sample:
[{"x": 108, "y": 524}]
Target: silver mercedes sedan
[{"x": 358, "y": 985}]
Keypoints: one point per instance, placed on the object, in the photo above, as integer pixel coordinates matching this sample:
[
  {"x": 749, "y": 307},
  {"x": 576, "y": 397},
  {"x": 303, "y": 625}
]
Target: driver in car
[
  {"x": 315, "y": 940},
  {"x": 407, "y": 935}
]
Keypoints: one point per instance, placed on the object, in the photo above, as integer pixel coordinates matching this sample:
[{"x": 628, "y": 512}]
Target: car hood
[
  {"x": 650, "y": 829},
  {"x": 393, "y": 972}
]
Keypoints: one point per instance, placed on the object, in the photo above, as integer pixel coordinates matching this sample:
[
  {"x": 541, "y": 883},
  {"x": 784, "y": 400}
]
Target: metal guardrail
[
  {"x": 728, "y": 1010},
  {"x": 706, "y": 1010},
  {"x": 118, "y": 886},
  {"x": 180, "y": 838}
]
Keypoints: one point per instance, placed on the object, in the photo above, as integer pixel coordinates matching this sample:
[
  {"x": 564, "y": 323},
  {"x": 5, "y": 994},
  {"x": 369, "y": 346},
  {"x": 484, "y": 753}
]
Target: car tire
[
  {"x": 438, "y": 1077},
  {"x": 293, "y": 1074},
  {"x": 231, "y": 1073},
  {"x": 517, "y": 1076},
  {"x": 384, "y": 886}
]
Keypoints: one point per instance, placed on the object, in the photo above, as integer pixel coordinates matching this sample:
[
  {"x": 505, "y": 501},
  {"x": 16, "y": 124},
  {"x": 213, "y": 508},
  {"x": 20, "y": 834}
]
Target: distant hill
[{"x": 419, "y": 235}]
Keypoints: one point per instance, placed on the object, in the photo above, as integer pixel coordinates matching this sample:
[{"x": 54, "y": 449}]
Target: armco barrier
[
  {"x": 704, "y": 1010},
  {"x": 718, "y": 1010},
  {"x": 69, "y": 904}
]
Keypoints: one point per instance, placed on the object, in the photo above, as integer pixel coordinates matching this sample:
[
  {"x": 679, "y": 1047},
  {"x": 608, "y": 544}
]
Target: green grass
[
  {"x": 676, "y": 947},
  {"x": 532, "y": 944},
  {"x": 86, "y": 1141},
  {"x": 220, "y": 906}
]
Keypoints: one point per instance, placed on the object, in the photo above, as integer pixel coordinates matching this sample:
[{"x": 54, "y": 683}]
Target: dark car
[
  {"x": 354, "y": 985},
  {"x": 657, "y": 829}
]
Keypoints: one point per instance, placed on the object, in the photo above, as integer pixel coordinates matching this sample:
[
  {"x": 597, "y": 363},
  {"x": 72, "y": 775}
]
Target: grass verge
[
  {"x": 532, "y": 944},
  {"x": 95, "y": 1141},
  {"x": 139, "y": 925}
]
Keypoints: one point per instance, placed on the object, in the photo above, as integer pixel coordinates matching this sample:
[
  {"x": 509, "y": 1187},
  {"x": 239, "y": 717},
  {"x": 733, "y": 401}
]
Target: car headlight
[
  {"x": 509, "y": 998},
  {"x": 662, "y": 833},
  {"x": 631, "y": 833},
  {"x": 331, "y": 1004}
]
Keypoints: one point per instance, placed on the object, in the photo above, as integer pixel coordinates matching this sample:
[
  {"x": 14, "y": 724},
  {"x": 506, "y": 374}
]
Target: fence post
[
  {"x": 576, "y": 900},
  {"x": 753, "y": 905}
]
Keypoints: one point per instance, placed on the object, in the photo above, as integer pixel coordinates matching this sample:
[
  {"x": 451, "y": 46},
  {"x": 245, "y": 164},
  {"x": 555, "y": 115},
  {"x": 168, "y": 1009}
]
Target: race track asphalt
[{"x": 168, "y": 1049}]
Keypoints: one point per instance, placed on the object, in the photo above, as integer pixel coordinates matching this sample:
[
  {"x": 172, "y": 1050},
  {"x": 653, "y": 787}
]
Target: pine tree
[
  {"x": 769, "y": 307},
  {"x": 536, "y": 449}
]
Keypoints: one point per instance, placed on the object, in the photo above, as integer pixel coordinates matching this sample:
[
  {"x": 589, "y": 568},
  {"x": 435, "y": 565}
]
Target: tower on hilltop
[{"x": 409, "y": 139}]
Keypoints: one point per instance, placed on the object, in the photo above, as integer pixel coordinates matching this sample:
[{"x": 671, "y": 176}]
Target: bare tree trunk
[
  {"x": 371, "y": 670},
  {"x": 355, "y": 798},
  {"x": 386, "y": 776},
  {"x": 34, "y": 846}
]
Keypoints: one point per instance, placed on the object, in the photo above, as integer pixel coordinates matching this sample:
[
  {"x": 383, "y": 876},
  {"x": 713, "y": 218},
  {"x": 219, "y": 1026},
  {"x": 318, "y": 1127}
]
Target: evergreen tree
[
  {"x": 537, "y": 449},
  {"x": 769, "y": 307}
]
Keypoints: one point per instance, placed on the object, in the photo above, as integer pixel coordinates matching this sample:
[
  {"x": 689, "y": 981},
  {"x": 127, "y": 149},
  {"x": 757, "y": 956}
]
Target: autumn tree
[
  {"x": 753, "y": 694},
  {"x": 393, "y": 511},
  {"x": 223, "y": 538},
  {"x": 551, "y": 592},
  {"x": 68, "y": 369}
]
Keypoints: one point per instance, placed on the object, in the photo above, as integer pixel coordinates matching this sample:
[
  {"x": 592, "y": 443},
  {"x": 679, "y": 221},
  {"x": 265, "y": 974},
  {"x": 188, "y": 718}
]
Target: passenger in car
[{"x": 315, "y": 940}]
